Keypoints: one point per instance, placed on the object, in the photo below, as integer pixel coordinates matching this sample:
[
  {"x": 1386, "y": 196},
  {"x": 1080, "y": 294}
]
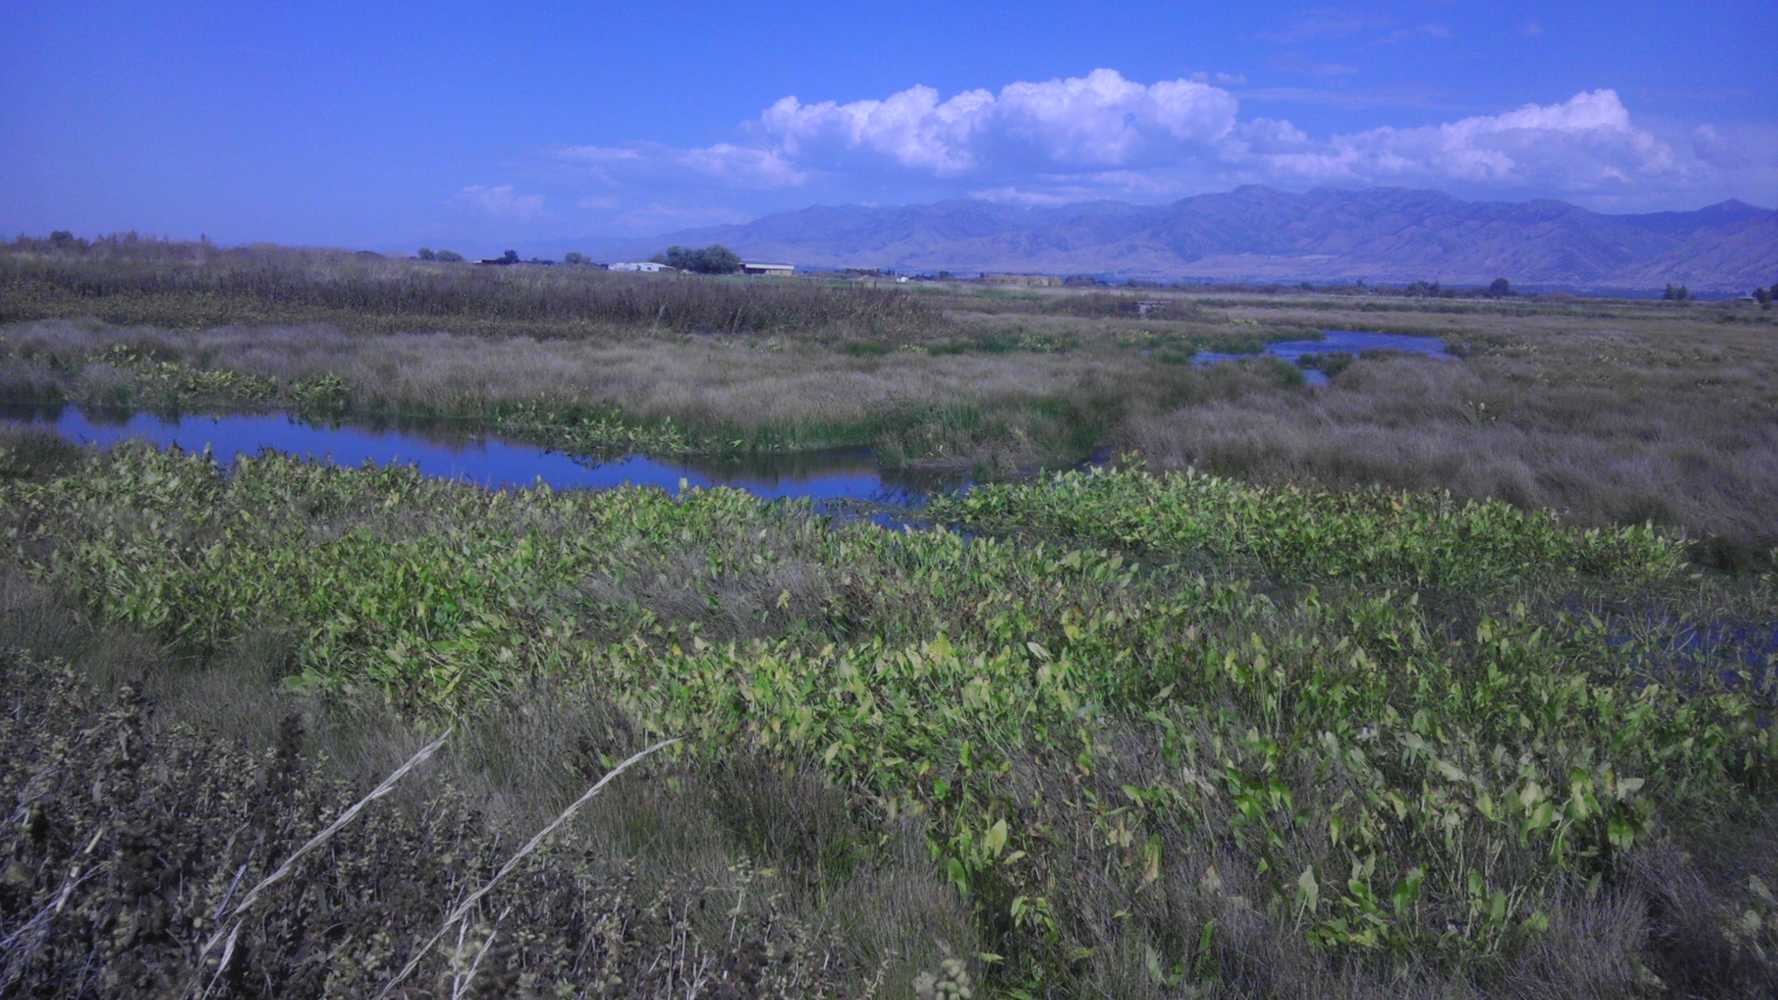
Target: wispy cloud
[
  {"x": 744, "y": 166},
  {"x": 1324, "y": 23},
  {"x": 1348, "y": 99},
  {"x": 1329, "y": 24},
  {"x": 660, "y": 215},
  {"x": 1417, "y": 32},
  {"x": 500, "y": 201},
  {"x": 1308, "y": 67}
]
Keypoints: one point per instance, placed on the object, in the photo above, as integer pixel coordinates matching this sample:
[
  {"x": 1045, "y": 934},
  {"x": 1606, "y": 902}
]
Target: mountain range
[{"x": 1260, "y": 234}]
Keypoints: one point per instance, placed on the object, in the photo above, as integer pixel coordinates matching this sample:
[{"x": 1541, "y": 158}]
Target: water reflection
[
  {"x": 839, "y": 480},
  {"x": 1337, "y": 342}
]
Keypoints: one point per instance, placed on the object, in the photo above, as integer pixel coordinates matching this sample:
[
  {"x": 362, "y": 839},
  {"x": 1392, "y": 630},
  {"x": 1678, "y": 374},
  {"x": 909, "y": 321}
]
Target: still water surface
[
  {"x": 1337, "y": 342},
  {"x": 830, "y": 478}
]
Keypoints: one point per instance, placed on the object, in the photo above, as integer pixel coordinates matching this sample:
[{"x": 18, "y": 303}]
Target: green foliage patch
[{"x": 1382, "y": 726}]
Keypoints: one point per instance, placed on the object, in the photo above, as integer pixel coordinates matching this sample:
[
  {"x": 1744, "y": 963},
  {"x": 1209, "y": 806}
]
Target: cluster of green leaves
[
  {"x": 171, "y": 383},
  {"x": 1008, "y": 341},
  {"x": 1179, "y": 347},
  {"x": 1392, "y": 783},
  {"x": 1372, "y": 536},
  {"x": 1329, "y": 364}
]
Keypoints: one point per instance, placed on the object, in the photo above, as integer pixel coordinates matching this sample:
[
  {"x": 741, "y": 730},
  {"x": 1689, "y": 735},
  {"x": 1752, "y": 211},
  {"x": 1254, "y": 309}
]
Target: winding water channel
[{"x": 837, "y": 481}]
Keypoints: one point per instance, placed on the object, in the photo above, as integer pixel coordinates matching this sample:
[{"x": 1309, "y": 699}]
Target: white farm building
[{"x": 641, "y": 265}]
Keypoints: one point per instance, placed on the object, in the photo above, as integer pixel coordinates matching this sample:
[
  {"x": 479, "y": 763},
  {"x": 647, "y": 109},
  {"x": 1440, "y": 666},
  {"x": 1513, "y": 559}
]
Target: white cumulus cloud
[
  {"x": 1093, "y": 121},
  {"x": 1102, "y": 135},
  {"x": 1585, "y": 142}
]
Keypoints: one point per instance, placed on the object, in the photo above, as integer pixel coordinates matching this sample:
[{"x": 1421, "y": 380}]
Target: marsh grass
[
  {"x": 197, "y": 285},
  {"x": 1610, "y": 411},
  {"x": 27, "y": 452},
  {"x": 657, "y": 393},
  {"x": 1667, "y": 436}
]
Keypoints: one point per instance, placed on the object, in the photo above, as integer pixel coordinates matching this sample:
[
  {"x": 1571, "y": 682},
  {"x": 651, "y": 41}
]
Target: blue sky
[{"x": 484, "y": 125}]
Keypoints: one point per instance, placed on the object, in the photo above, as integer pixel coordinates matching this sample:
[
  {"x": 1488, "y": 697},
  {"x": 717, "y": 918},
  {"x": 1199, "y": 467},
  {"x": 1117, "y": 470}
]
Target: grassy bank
[
  {"x": 1169, "y": 732},
  {"x": 665, "y": 394}
]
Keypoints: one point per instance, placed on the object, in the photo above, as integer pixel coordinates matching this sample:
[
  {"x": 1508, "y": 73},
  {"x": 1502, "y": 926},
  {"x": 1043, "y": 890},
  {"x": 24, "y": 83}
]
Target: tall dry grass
[
  {"x": 1605, "y": 428},
  {"x": 183, "y": 285}
]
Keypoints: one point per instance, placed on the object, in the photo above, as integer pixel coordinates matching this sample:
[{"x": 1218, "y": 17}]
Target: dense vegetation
[
  {"x": 713, "y": 259},
  {"x": 1141, "y": 735}
]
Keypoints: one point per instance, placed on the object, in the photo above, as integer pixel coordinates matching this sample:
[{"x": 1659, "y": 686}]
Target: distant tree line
[
  {"x": 713, "y": 259},
  {"x": 448, "y": 256},
  {"x": 1676, "y": 293}
]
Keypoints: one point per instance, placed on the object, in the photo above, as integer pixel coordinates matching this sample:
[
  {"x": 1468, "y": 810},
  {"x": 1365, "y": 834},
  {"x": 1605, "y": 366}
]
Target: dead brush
[{"x": 463, "y": 909}]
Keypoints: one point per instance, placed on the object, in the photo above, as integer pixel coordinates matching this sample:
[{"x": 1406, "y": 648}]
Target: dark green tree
[
  {"x": 510, "y": 256},
  {"x": 713, "y": 259},
  {"x": 1500, "y": 287},
  {"x": 450, "y": 256},
  {"x": 718, "y": 259},
  {"x": 574, "y": 258},
  {"x": 427, "y": 254}
]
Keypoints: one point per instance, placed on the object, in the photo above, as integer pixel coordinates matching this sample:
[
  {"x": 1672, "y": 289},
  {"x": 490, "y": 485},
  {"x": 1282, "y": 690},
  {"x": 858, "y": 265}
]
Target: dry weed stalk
[
  {"x": 463, "y": 908},
  {"x": 316, "y": 841}
]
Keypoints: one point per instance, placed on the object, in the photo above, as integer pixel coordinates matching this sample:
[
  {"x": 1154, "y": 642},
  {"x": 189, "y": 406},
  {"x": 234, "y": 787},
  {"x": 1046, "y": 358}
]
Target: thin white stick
[
  {"x": 318, "y": 839},
  {"x": 513, "y": 862},
  {"x": 487, "y": 946}
]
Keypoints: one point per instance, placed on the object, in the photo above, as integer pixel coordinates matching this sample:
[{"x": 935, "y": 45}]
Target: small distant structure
[
  {"x": 1146, "y": 306},
  {"x": 1022, "y": 280},
  {"x": 773, "y": 270},
  {"x": 648, "y": 266}
]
